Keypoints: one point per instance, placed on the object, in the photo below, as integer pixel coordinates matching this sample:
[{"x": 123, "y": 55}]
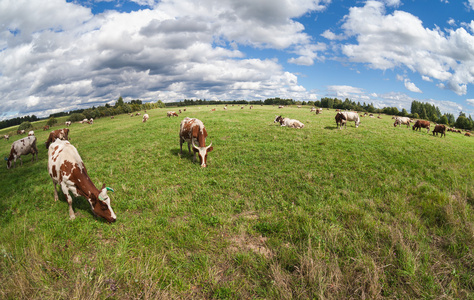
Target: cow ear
[
  {"x": 103, "y": 186},
  {"x": 210, "y": 149}
]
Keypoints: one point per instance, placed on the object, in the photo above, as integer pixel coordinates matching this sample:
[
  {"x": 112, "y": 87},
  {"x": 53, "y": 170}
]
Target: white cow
[
  {"x": 145, "y": 118},
  {"x": 351, "y": 116},
  {"x": 21, "y": 147}
]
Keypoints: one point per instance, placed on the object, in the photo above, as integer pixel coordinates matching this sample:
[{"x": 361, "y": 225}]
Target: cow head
[
  {"x": 202, "y": 152},
  {"x": 9, "y": 163},
  {"x": 277, "y": 119},
  {"x": 101, "y": 207}
]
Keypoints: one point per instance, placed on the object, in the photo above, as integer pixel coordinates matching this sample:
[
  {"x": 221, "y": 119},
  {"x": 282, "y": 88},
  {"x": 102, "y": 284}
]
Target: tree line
[{"x": 419, "y": 110}]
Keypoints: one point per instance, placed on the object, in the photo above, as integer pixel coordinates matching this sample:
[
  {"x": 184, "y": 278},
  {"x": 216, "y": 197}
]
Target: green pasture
[{"x": 374, "y": 212}]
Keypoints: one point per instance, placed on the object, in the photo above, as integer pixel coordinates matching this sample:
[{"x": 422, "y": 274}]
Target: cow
[
  {"x": 319, "y": 111},
  {"x": 171, "y": 114},
  {"x": 7, "y": 137},
  {"x": 85, "y": 121},
  {"x": 46, "y": 127},
  {"x": 62, "y": 134},
  {"x": 20, "y": 131},
  {"x": 31, "y": 133},
  {"x": 145, "y": 118},
  {"x": 68, "y": 123},
  {"x": 441, "y": 129},
  {"x": 137, "y": 114},
  {"x": 312, "y": 109},
  {"x": 280, "y": 106},
  {"x": 180, "y": 111},
  {"x": 340, "y": 120},
  {"x": 191, "y": 131},
  {"x": 292, "y": 123},
  {"x": 351, "y": 116},
  {"x": 213, "y": 109},
  {"x": 421, "y": 124},
  {"x": 91, "y": 121},
  {"x": 67, "y": 169},
  {"x": 402, "y": 120},
  {"x": 467, "y": 134},
  {"x": 21, "y": 147}
]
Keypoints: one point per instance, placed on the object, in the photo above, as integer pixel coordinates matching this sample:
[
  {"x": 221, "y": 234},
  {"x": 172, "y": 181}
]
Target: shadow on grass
[{"x": 330, "y": 128}]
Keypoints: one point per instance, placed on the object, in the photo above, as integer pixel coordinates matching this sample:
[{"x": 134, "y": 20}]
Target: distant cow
[
  {"x": 402, "y": 120},
  {"x": 7, "y": 137},
  {"x": 21, "y": 147},
  {"x": 467, "y": 134},
  {"x": 145, "y": 118},
  {"x": 292, "y": 123},
  {"x": 31, "y": 133},
  {"x": 20, "y": 131},
  {"x": 351, "y": 116},
  {"x": 312, "y": 109},
  {"x": 91, "y": 121},
  {"x": 46, "y": 127},
  {"x": 280, "y": 106},
  {"x": 340, "y": 120},
  {"x": 422, "y": 124},
  {"x": 192, "y": 131},
  {"x": 67, "y": 169},
  {"x": 62, "y": 134},
  {"x": 68, "y": 123},
  {"x": 171, "y": 114},
  {"x": 441, "y": 129}
]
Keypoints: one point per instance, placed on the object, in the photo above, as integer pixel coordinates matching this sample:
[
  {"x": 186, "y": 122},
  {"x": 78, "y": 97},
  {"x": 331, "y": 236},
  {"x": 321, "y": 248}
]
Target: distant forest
[{"x": 419, "y": 110}]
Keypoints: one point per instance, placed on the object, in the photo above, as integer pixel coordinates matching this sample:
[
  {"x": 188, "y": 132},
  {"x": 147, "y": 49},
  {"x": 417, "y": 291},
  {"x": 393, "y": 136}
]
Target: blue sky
[{"x": 63, "y": 55}]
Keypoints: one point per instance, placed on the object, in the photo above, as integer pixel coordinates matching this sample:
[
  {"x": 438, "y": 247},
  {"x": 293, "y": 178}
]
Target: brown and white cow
[
  {"x": 7, "y": 137},
  {"x": 351, "y": 116},
  {"x": 441, "y": 129},
  {"x": 46, "y": 127},
  {"x": 145, "y": 118},
  {"x": 467, "y": 134},
  {"x": 192, "y": 131},
  {"x": 421, "y": 124},
  {"x": 340, "y": 120},
  {"x": 292, "y": 123},
  {"x": 171, "y": 114},
  {"x": 402, "y": 120},
  {"x": 68, "y": 123},
  {"x": 67, "y": 169},
  {"x": 62, "y": 134},
  {"x": 31, "y": 133},
  {"x": 21, "y": 147}
]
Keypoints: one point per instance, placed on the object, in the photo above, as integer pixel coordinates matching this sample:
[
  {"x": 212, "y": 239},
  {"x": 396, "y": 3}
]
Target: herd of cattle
[{"x": 67, "y": 169}]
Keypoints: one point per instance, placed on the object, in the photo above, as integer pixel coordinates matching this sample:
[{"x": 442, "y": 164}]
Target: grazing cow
[
  {"x": 281, "y": 106},
  {"x": 213, "y": 109},
  {"x": 467, "y": 134},
  {"x": 421, "y": 124},
  {"x": 319, "y": 111},
  {"x": 91, "y": 121},
  {"x": 137, "y": 114},
  {"x": 312, "y": 109},
  {"x": 241, "y": 107},
  {"x": 20, "y": 131},
  {"x": 402, "y": 120},
  {"x": 31, "y": 133},
  {"x": 191, "y": 131},
  {"x": 46, "y": 127},
  {"x": 62, "y": 134},
  {"x": 225, "y": 107},
  {"x": 21, "y": 147},
  {"x": 85, "y": 121},
  {"x": 340, "y": 120},
  {"x": 180, "y": 111},
  {"x": 7, "y": 137},
  {"x": 171, "y": 114},
  {"x": 292, "y": 123},
  {"x": 145, "y": 118},
  {"x": 351, "y": 116},
  {"x": 68, "y": 123},
  {"x": 67, "y": 169},
  {"x": 441, "y": 129},
  {"x": 112, "y": 117}
]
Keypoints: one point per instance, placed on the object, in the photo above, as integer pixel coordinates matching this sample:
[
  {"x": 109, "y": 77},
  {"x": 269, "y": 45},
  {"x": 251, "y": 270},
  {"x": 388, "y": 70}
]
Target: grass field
[{"x": 318, "y": 213}]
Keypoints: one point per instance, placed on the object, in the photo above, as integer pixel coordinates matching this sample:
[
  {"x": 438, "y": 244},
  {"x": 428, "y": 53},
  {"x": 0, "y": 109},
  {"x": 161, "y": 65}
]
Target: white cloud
[
  {"x": 58, "y": 56},
  {"x": 470, "y": 3},
  {"x": 412, "y": 87},
  {"x": 332, "y": 36},
  {"x": 426, "y": 78},
  {"x": 397, "y": 40},
  {"x": 470, "y": 101}
]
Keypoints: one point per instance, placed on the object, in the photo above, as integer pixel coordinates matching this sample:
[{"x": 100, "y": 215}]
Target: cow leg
[
  {"x": 55, "y": 192},
  {"x": 65, "y": 190},
  {"x": 181, "y": 145}
]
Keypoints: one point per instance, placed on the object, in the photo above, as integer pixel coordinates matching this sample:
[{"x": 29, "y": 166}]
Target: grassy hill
[{"x": 279, "y": 213}]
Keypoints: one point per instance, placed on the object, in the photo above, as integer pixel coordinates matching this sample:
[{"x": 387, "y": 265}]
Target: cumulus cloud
[
  {"x": 411, "y": 86},
  {"x": 470, "y": 101},
  {"x": 58, "y": 56},
  {"x": 398, "y": 40}
]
